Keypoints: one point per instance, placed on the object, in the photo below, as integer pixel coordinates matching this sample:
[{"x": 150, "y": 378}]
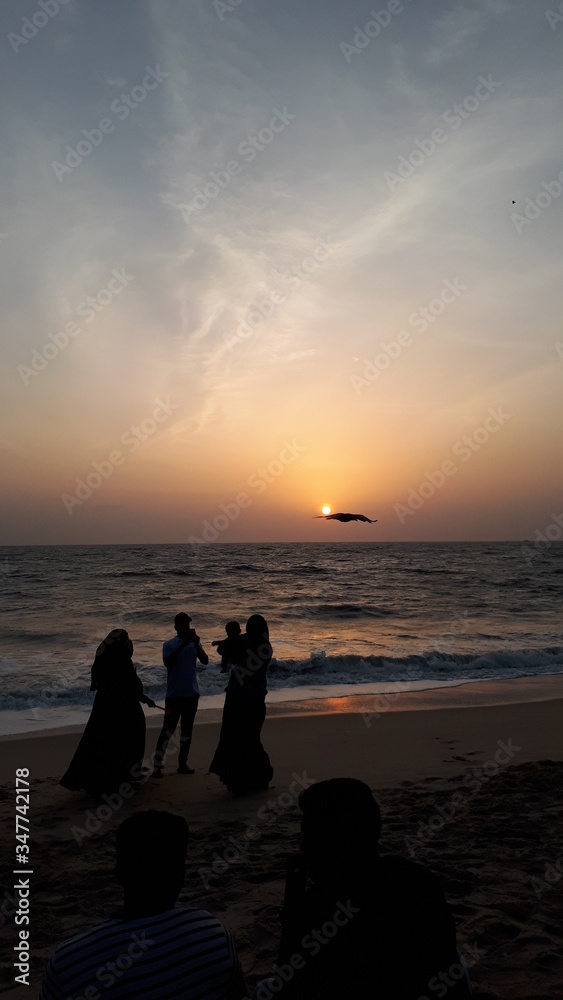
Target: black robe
[
  {"x": 240, "y": 760},
  {"x": 113, "y": 743}
]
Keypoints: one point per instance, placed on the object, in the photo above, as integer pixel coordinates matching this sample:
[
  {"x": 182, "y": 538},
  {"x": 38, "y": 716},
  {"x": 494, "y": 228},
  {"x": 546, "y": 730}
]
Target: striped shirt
[{"x": 181, "y": 954}]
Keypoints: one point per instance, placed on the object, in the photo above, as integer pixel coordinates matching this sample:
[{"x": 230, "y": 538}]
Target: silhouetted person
[
  {"x": 180, "y": 656},
  {"x": 368, "y": 926},
  {"x": 240, "y": 759},
  {"x": 227, "y": 648},
  {"x": 153, "y": 949},
  {"x": 112, "y": 747}
]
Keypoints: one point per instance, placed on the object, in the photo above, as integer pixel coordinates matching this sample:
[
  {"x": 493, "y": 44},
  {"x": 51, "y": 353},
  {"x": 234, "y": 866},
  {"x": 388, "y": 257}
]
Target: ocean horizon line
[{"x": 433, "y": 541}]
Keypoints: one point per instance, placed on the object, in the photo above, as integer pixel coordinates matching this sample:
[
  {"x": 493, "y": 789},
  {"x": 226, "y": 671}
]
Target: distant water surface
[{"x": 339, "y": 614}]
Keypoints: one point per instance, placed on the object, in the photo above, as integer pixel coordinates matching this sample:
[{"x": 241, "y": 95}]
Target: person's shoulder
[
  {"x": 410, "y": 875},
  {"x": 396, "y": 863},
  {"x": 69, "y": 947},
  {"x": 171, "y": 644},
  {"x": 263, "y": 648},
  {"x": 195, "y": 911},
  {"x": 265, "y": 653},
  {"x": 195, "y": 917}
]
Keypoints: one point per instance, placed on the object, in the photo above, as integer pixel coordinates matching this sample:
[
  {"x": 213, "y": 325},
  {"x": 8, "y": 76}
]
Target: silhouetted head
[
  {"x": 257, "y": 627},
  {"x": 232, "y": 629},
  {"x": 117, "y": 643},
  {"x": 182, "y": 623},
  {"x": 150, "y": 860},
  {"x": 340, "y": 829},
  {"x": 258, "y": 642},
  {"x": 112, "y": 654},
  {"x": 182, "y": 619}
]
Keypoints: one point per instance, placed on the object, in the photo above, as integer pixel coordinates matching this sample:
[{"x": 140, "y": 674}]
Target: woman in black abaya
[
  {"x": 113, "y": 744},
  {"x": 240, "y": 759}
]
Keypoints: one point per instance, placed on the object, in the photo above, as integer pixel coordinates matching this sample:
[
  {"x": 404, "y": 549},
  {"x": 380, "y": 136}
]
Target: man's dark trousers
[{"x": 180, "y": 710}]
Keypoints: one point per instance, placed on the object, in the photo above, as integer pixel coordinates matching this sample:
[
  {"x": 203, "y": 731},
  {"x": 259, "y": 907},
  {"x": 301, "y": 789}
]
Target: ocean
[{"x": 344, "y": 618}]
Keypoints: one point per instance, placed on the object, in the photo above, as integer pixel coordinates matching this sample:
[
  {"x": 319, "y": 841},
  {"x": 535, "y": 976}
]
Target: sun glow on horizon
[{"x": 325, "y": 509}]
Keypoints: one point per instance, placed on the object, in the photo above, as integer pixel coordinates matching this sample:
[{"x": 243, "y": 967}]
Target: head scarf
[{"x": 113, "y": 652}]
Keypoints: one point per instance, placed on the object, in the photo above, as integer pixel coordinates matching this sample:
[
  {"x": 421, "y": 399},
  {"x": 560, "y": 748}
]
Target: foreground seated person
[
  {"x": 154, "y": 949},
  {"x": 368, "y": 926}
]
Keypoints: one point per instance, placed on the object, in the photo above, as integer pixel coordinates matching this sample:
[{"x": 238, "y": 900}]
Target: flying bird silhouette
[{"x": 346, "y": 517}]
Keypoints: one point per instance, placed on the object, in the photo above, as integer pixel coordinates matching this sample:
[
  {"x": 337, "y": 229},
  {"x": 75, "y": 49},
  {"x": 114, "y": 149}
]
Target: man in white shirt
[{"x": 180, "y": 656}]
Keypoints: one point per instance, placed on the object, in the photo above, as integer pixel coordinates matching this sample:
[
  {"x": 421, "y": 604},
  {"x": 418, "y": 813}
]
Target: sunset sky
[{"x": 283, "y": 245}]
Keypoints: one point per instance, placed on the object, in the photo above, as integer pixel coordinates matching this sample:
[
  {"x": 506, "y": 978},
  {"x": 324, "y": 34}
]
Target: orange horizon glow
[{"x": 391, "y": 336}]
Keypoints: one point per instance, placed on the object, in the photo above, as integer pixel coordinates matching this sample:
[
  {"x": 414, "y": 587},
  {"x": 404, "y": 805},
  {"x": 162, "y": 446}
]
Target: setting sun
[{"x": 326, "y": 510}]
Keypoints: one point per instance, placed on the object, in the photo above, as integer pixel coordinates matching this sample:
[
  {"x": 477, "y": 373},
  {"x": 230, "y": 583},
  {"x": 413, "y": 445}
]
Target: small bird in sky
[{"x": 346, "y": 517}]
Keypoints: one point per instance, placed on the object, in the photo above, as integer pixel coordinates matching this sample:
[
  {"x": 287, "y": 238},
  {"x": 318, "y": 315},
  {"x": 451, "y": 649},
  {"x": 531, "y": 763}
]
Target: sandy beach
[
  {"x": 281, "y": 453},
  {"x": 468, "y": 780}
]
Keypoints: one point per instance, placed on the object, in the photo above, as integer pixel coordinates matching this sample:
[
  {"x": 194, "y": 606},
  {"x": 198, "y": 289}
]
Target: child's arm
[
  {"x": 200, "y": 652},
  {"x": 223, "y": 649}
]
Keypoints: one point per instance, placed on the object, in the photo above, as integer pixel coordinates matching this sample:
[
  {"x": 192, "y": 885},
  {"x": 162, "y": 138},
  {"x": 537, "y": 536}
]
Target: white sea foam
[{"x": 340, "y": 616}]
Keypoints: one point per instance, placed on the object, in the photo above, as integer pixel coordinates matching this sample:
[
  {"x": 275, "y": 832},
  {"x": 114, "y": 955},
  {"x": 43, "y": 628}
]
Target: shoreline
[
  {"x": 336, "y": 700},
  {"x": 47, "y": 752}
]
